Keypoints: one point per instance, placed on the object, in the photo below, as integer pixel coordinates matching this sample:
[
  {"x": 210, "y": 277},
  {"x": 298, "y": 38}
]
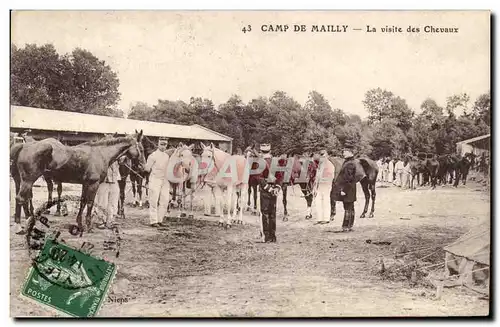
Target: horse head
[
  {"x": 136, "y": 151},
  {"x": 184, "y": 154}
]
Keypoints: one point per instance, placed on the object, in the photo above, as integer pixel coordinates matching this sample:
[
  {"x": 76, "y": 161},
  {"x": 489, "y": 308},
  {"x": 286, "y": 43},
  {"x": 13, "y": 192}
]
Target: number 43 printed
[{"x": 248, "y": 28}]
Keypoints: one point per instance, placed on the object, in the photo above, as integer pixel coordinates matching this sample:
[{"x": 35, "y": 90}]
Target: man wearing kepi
[
  {"x": 159, "y": 186},
  {"x": 268, "y": 195},
  {"x": 323, "y": 184},
  {"x": 347, "y": 185}
]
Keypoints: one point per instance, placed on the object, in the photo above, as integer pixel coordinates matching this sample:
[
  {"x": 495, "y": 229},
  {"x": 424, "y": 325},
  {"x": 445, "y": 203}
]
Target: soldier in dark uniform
[
  {"x": 347, "y": 188},
  {"x": 269, "y": 190}
]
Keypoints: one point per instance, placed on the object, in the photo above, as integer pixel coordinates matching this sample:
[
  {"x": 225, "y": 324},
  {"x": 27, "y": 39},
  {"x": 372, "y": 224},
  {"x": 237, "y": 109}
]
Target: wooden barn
[
  {"x": 72, "y": 128},
  {"x": 478, "y": 145}
]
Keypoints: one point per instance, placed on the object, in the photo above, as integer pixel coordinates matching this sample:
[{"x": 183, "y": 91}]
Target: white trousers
[
  {"x": 323, "y": 207},
  {"x": 159, "y": 196},
  {"x": 107, "y": 197}
]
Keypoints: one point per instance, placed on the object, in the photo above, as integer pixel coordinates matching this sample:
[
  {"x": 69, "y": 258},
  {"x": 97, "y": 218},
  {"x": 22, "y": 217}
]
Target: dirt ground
[{"x": 194, "y": 268}]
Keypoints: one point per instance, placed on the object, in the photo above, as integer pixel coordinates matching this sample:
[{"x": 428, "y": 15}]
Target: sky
[{"x": 177, "y": 55}]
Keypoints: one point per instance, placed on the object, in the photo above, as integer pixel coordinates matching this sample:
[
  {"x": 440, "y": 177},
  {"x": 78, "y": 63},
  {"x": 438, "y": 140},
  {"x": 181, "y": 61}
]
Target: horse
[
  {"x": 432, "y": 166},
  {"x": 213, "y": 172},
  {"x": 129, "y": 169},
  {"x": 15, "y": 149},
  {"x": 296, "y": 169},
  {"x": 183, "y": 178},
  {"x": 50, "y": 184},
  {"x": 85, "y": 164},
  {"x": 366, "y": 175},
  {"x": 465, "y": 164},
  {"x": 253, "y": 179}
]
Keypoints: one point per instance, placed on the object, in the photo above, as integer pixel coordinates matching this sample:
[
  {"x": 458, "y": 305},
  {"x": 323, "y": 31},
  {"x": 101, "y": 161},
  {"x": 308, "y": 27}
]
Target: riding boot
[
  {"x": 345, "y": 223},
  {"x": 352, "y": 216}
]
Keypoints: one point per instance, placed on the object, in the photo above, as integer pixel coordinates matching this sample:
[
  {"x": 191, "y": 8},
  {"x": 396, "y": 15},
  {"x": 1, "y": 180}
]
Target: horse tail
[{"x": 14, "y": 154}]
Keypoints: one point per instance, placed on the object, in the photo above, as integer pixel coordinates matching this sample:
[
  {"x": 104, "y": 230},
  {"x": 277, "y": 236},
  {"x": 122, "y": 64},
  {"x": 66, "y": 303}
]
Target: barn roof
[
  {"x": 57, "y": 120},
  {"x": 475, "y": 139},
  {"x": 481, "y": 142}
]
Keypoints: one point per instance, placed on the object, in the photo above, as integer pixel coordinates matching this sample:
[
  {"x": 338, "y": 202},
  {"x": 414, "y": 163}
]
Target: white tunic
[{"x": 157, "y": 164}]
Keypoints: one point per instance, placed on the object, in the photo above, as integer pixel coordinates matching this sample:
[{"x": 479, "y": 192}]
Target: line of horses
[
  {"x": 441, "y": 170},
  {"x": 87, "y": 163}
]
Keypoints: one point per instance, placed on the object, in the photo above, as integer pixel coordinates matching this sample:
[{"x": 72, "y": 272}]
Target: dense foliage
[
  {"x": 392, "y": 127},
  {"x": 79, "y": 81}
]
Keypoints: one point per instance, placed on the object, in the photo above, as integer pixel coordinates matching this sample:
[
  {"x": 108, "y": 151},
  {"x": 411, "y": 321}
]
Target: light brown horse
[{"x": 85, "y": 164}]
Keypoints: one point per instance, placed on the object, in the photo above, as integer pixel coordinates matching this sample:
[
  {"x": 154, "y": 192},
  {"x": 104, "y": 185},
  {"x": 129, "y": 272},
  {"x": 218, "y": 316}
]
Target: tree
[
  {"x": 140, "y": 111},
  {"x": 457, "y": 102},
  {"x": 432, "y": 112},
  {"x": 388, "y": 139},
  {"x": 77, "y": 82},
  {"x": 383, "y": 104},
  {"x": 482, "y": 109}
]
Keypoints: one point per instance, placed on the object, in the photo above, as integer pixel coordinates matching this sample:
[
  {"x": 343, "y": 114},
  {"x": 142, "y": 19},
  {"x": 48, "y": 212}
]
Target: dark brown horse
[
  {"x": 366, "y": 175},
  {"x": 306, "y": 185},
  {"x": 15, "y": 149},
  {"x": 85, "y": 164}
]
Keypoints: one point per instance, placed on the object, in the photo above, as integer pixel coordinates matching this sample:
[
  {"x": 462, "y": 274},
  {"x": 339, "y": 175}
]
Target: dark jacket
[
  {"x": 346, "y": 182},
  {"x": 267, "y": 188}
]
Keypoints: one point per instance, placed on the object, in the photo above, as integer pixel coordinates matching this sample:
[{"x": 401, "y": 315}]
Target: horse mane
[{"x": 108, "y": 141}]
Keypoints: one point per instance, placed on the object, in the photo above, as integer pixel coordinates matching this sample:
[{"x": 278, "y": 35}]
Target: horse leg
[
  {"x": 217, "y": 197},
  {"x": 17, "y": 213},
  {"x": 83, "y": 203},
  {"x": 191, "y": 198},
  {"x": 457, "y": 177},
  {"x": 309, "y": 199},
  {"x": 229, "y": 198},
  {"x": 90, "y": 196},
  {"x": 366, "y": 191},
  {"x": 181, "y": 200},
  {"x": 121, "y": 203},
  {"x": 285, "y": 193},
  {"x": 133, "y": 181},
  {"x": 25, "y": 191},
  {"x": 64, "y": 207},
  {"x": 255, "y": 196},
  {"x": 373, "y": 194},
  {"x": 50, "y": 190},
  {"x": 240, "y": 213},
  {"x": 249, "y": 195},
  {"x": 333, "y": 204}
]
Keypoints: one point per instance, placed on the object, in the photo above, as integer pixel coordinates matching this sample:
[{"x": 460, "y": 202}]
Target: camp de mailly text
[{"x": 343, "y": 28}]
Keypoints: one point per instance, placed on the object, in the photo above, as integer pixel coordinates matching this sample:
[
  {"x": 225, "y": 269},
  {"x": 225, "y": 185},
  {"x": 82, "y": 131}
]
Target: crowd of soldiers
[{"x": 401, "y": 170}]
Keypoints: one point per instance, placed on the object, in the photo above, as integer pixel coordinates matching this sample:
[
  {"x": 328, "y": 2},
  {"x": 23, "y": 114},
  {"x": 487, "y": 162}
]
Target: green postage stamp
[{"x": 68, "y": 280}]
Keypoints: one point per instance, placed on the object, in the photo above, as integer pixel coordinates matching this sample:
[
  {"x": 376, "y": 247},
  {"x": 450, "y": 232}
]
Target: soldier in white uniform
[
  {"x": 159, "y": 186},
  {"x": 108, "y": 195},
  {"x": 324, "y": 179}
]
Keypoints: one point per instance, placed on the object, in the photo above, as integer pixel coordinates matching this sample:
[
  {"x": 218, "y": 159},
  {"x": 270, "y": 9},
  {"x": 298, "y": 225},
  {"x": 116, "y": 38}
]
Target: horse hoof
[
  {"x": 371, "y": 215},
  {"x": 190, "y": 216},
  {"x": 308, "y": 217},
  {"x": 183, "y": 215},
  {"x": 362, "y": 216},
  {"x": 58, "y": 213},
  {"x": 285, "y": 219},
  {"x": 47, "y": 212}
]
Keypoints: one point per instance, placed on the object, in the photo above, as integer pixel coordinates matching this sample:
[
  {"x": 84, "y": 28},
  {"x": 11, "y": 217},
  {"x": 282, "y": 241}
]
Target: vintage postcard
[{"x": 250, "y": 163}]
